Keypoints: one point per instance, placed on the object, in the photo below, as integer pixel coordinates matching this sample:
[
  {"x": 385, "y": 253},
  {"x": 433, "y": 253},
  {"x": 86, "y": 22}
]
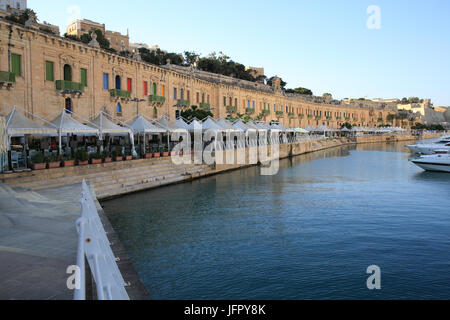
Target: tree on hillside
[
  {"x": 103, "y": 42},
  {"x": 21, "y": 18},
  {"x": 325, "y": 95},
  {"x": 283, "y": 83},
  {"x": 190, "y": 58},
  {"x": 222, "y": 64},
  {"x": 300, "y": 91},
  {"x": 159, "y": 57}
]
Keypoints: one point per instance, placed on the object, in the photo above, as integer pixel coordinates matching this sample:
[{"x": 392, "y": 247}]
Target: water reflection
[{"x": 309, "y": 232}]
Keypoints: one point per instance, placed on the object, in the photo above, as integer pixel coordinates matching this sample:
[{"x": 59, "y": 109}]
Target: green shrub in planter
[{"x": 38, "y": 158}]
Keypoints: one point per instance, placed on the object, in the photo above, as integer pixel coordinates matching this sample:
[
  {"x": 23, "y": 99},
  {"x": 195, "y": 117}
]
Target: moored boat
[
  {"x": 436, "y": 162},
  {"x": 430, "y": 148}
]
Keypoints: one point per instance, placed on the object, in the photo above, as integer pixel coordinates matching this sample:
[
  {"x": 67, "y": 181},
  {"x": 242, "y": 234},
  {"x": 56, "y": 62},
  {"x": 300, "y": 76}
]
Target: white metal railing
[{"x": 95, "y": 247}]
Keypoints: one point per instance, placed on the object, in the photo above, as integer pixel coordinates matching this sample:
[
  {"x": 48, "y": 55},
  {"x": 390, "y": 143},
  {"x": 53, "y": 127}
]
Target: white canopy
[
  {"x": 278, "y": 126},
  {"x": 345, "y": 129},
  {"x": 106, "y": 126},
  {"x": 165, "y": 124},
  {"x": 241, "y": 126},
  {"x": 252, "y": 125},
  {"x": 18, "y": 124},
  {"x": 66, "y": 124},
  {"x": 263, "y": 125},
  {"x": 3, "y": 138},
  {"x": 195, "y": 124},
  {"x": 181, "y": 124},
  {"x": 210, "y": 124},
  {"x": 225, "y": 124},
  {"x": 300, "y": 130},
  {"x": 141, "y": 125},
  {"x": 323, "y": 129}
]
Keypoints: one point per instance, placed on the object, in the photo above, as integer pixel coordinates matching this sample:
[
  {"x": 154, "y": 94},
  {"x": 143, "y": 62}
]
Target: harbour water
[{"x": 309, "y": 232}]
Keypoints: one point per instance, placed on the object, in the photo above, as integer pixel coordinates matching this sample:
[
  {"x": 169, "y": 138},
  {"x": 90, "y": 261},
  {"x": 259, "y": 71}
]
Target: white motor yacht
[
  {"x": 442, "y": 144},
  {"x": 435, "y": 162}
]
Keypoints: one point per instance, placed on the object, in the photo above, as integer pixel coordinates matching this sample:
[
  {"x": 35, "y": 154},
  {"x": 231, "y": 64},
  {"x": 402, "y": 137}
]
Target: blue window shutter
[{"x": 105, "y": 81}]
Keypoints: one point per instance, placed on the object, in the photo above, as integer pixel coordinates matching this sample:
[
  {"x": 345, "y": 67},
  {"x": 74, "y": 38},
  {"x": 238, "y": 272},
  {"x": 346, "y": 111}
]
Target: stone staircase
[{"x": 110, "y": 179}]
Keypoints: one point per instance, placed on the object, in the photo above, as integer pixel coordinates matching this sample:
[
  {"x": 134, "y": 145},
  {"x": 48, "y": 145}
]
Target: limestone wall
[{"x": 37, "y": 94}]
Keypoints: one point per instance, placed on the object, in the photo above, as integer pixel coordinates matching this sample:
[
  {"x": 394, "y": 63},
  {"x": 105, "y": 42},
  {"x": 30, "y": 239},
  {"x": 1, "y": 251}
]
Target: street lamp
[{"x": 137, "y": 104}]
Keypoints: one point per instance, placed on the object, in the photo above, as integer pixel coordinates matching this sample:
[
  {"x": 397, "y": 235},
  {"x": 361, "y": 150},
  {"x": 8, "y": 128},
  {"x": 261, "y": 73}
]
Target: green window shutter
[
  {"x": 49, "y": 75},
  {"x": 84, "y": 77},
  {"x": 16, "y": 64}
]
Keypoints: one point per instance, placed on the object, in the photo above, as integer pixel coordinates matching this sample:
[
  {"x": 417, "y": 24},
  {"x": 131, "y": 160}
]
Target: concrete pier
[{"x": 38, "y": 241}]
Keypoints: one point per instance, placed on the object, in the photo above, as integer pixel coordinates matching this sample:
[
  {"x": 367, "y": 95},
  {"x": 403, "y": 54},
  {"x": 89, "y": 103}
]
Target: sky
[{"x": 323, "y": 45}]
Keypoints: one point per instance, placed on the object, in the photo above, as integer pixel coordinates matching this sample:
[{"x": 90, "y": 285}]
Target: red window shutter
[
  {"x": 129, "y": 84},
  {"x": 145, "y": 88}
]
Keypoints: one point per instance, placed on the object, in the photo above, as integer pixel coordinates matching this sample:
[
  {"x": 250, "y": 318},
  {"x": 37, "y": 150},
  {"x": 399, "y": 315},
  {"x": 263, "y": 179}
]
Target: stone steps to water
[
  {"x": 32, "y": 181},
  {"x": 80, "y": 170},
  {"x": 111, "y": 178}
]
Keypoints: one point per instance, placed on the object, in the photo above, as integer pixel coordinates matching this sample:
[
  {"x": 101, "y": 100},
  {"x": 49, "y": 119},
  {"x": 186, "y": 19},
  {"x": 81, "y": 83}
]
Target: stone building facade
[
  {"x": 118, "y": 41},
  {"x": 44, "y": 73}
]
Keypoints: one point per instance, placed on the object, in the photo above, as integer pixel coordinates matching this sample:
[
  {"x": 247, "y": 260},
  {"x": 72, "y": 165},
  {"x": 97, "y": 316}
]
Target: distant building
[
  {"x": 256, "y": 72},
  {"x": 51, "y": 27},
  {"x": 79, "y": 27},
  {"x": 416, "y": 107},
  {"x": 8, "y": 7},
  {"x": 13, "y": 4},
  {"x": 134, "y": 46},
  {"x": 117, "y": 40}
]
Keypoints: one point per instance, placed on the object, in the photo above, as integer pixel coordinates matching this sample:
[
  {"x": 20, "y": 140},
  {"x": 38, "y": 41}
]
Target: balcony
[
  {"x": 291, "y": 115},
  {"x": 310, "y": 116},
  {"x": 318, "y": 117},
  {"x": 156, "y": 99},
  {"x": 7, "y": 78},
  {"x": 249, "y": 111},
  {"x": 117, "y": 93},
  {"x": 181, "y": 103},
  {"x": 380, "y": 120},
  {"x": 280, "y": 114},
  {"x": 63, "y": 85},
  {"x": 231, "y": 109},
  {"x": 205, "y": 106},
  {"x": 266, "y": 112},
  {"x": 301, "y": 116},
  {"x": 338, "y": 118},
  {"x": 329, "y": 117}
]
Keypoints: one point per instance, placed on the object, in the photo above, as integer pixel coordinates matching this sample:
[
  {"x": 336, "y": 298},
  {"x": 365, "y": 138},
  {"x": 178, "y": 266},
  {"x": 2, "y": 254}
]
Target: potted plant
[
  {"x": 156, "y": 153},
  {"x": 106, "y": 156},
  {"x": 54, "y": 161},
  {"x": 82, "y": 158},
  {"x": 96, "y": 158},
  {"x": 128, "y": 157},
  {"x": 69, "y": 161},
  {"x": 165, "y": 151},
  {"x": 38, "y": 162},
  {"x": 117, "y": 154}
]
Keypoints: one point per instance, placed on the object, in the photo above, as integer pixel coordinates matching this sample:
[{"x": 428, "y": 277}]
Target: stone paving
[{"x": 38, "y": 241}]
